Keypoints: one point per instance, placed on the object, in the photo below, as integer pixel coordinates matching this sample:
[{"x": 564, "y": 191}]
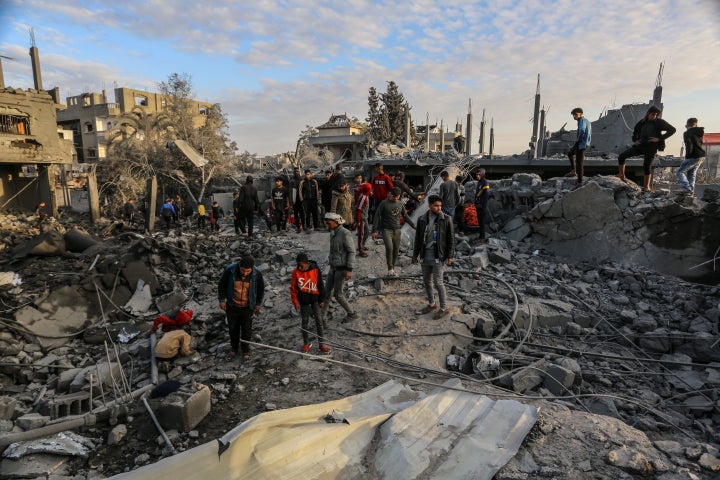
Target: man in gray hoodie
[{"x": 342, "y": 260}]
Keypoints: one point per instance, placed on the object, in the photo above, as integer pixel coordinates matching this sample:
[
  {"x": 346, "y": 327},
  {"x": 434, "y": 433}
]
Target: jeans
[
  {"x": 335, "y": 283},
  {"x": 687, "y": 171},
  {"x": 435, "y": 273},
  {"x": 647, "y": 151},
  {"x": 449, "y": 211},
  {"x": 391, "y": 238}
]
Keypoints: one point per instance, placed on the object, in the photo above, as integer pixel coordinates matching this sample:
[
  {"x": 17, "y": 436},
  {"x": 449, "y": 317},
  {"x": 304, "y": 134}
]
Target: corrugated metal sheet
[
  {"x": 448, "y": 434},
  {"x": 191, "y": 154}
]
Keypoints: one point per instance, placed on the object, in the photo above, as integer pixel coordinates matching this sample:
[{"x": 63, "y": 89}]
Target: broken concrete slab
[
  {"x": 558, "y": 379},
  {"x": 138, "y": 270},
  {"x": 170, "y": 302},
  {"x": 78, "y": 240},
  {"x": 46, "y": 244},
  {"x": 545, "y": 313},
  {"x": 52, "y": 324}
]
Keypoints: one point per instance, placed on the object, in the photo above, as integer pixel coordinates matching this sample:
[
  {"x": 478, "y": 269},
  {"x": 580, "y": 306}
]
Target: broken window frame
[{"x": 15, "y": 124}]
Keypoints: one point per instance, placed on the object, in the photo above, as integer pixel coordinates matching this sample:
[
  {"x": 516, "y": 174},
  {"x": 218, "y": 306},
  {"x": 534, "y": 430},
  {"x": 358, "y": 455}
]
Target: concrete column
[
  {"x": 541, "y": 134},
  {"x": 536, "y": 119},
  {"x": 35, "y": 60},
  {"x": 427, "y": 133},
  {"x": 468, "y": 129},
  {"x": 93, "y": 196},
  {"x": 492, "y": 137},
  {"x": 408, "y": 140},
  {"x": 46, "y": 186},
  {"x": 482, "y": 134},
  {"x": 151, "y": 199},
  {"x": 442, "y": 137}
]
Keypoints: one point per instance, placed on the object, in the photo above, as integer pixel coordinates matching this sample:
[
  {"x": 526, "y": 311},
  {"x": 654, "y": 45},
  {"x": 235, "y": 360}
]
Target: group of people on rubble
[
  {"x": 648, "y": 138},
  {"x": 241, "y": 288}
]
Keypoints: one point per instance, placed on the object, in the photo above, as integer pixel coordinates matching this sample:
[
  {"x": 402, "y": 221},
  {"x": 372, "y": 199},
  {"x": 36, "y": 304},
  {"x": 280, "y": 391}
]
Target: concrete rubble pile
[{"x": 622, "y": 362}]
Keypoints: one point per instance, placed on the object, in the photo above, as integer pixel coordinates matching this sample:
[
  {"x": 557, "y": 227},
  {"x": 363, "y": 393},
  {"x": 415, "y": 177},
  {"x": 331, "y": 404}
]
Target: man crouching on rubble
[
  {"x": 240, "y": 294},
  {"x": 173, "y": 343}
]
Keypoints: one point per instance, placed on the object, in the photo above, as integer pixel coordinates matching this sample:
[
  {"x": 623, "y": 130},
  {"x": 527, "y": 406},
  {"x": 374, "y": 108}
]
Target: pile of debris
[{"x": 622, "y": 363}]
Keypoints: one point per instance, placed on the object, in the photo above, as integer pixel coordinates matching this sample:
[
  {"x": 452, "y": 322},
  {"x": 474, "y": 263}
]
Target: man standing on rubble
[
  {"x": 387, "y": 221},
  {"x": 342, "y": 260},
  {"x": 240, "y": 294},
  {"x": 236, "y": 212},
  {"x": 694, "y": 153},
  {"x": 435, "y": 245},
  {"x": 449, "y": 193},
  {"x": 577, "y": 151},
  {"x": 309, "y": 191},
  {"x": 648, "y": 138},
  {"x": 297, "y": 200},
  {"x": 326, "y": 191},
  {"x": 381, "y": 186},
  {"x": 482, "y": 194},
  {"x": 167, "y": 212},
  {"x": 249, "y": 203}
]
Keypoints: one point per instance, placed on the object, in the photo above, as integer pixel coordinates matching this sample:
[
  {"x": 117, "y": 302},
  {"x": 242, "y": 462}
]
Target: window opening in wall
[
  {"x": 88, "y": 127},
  {"x": 86, "y": 101},
  {"x": 163, "y": 103},
  {"x": 141, "y": 101},
  {"x": 91, "y": 153},
  {"x": 203, "y": 111},
  {"x": 14, "y": 124}
]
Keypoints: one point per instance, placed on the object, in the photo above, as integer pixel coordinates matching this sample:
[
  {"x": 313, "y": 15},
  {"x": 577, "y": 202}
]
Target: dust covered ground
[{"x": 654, "y": 396}]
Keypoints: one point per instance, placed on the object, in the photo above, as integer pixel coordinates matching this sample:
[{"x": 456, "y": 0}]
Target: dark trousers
[
  {"x": 647, "y": 151},
  {"x": 307, "y": 311},
  {"x": 246, "y": 220},
  {"x": 310, "y": 207},
  {"x": 236, "y": 222},
  {"x": 298, "y": 212},
  {"x": 577, "y": 160},
  {"x": 239, "y": 326},
  {"x": 280, "y": 218},
  {"x": 460, "y": 217},
  {"x": 201, "y": 221},
  {"x": 480, "y": 209},
  {"x": 168, "y": 220}
]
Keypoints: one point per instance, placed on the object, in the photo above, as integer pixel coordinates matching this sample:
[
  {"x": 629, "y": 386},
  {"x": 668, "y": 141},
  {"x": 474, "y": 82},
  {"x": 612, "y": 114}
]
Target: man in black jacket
[
  {"x": 435, "y": 246},
  {"x": 249, "y": 204},
  {"x": 694, "y": 153},
  {"x": 648, "y": 138},
  {"x": 309, "y": 191}
]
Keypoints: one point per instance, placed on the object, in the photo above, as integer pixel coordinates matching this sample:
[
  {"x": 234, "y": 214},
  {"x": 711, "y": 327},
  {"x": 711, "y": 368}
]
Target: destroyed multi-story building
[
  {"x": 342, "y": 137},
  {"x": 92, "y": 118},
  {"x": 33, "y": 150}
]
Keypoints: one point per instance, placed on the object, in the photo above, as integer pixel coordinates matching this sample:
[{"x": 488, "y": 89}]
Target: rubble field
[{"x": 621, "y": 362}]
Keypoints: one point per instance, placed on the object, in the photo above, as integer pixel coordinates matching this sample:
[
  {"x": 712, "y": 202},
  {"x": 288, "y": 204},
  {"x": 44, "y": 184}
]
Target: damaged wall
[{"x": 610, "y": 220}]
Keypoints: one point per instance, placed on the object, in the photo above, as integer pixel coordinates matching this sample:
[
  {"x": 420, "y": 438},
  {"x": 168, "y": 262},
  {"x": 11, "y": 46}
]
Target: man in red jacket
[
  {"x": 307, "y": 293},
  {"x": 381, "y": 186}
]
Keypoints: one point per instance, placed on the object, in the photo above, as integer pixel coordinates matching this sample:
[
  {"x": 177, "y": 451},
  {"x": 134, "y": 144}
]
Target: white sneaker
[{"x": 392, "y": 273}]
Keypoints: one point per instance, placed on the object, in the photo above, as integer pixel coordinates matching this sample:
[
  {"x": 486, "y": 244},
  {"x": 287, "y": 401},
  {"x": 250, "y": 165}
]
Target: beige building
[
  {"x": 342, "y": 137},
  {"x": 32, "y": 150},
  {"x": 91, "y": 117}
]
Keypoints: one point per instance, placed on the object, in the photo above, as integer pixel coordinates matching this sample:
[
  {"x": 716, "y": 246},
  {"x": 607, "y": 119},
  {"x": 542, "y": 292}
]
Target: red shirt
[{"x": 382, "y": 184}]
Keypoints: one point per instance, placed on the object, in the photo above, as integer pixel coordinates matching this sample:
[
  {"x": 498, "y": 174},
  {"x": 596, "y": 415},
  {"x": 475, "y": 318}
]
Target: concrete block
[
  {"x": 485, "y": 327},
  {"x": 526, "y": 380},
  {"x": 65, "y": 379},
  {"x": 7, "y": 408},
  {"x": 379, "y": 285},
  {"x": 170, "y": 302},
  {"x": 602, "y": 406},
  {"x": 40, "y": 465},
  {"x": 558, "y": 379},
  {"x": 184, "y": 409},
  {"x": 284, "y": 256},
  {"x": 60, "y": 406},
  {"x": 480, "y": 258},
  {"x": 137, "y": 270},
  {"x": 101, "y": 373},
  {"x": 31, "y": 421},
  {"x": 117, "y": 434},
  {"x": 500, "y": 256}
]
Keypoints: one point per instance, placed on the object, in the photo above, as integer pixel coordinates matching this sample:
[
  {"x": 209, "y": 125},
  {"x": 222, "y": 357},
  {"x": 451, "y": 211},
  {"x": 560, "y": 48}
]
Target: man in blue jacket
[
  {"x": 240, "y": 293},
  {"x": 584, "y": 131}
]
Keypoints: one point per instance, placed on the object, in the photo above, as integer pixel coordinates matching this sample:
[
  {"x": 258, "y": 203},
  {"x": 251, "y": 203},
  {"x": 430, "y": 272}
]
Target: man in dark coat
[
  {"x": 648, "y": 137},
  {"x": 249, "y": 204}
]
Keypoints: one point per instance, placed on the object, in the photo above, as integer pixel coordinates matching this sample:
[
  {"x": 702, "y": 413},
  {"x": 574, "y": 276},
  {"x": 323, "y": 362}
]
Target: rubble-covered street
[{"x": 621, "y": 362}]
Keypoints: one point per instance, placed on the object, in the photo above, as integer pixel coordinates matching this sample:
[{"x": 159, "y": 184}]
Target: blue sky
[{"x": 276, "y": 66}]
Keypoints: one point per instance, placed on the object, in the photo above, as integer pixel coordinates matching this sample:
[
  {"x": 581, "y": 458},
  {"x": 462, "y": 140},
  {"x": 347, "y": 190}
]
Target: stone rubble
[{"x": 636, "y": 348}]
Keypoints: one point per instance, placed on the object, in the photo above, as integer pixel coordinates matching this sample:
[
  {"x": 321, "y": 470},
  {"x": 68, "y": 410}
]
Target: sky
[{"x": 277, "y": 66}]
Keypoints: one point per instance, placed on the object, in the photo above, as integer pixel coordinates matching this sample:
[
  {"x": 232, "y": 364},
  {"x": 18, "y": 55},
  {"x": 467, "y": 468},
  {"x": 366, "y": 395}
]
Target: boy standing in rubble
[
  {"x": 240, "y": 293},
  {"x": 694, "y": 153},
  {"x": 307, "y": 293},
  {"x": 280, "y": 205},
  {"x": 576, "y": 155}
]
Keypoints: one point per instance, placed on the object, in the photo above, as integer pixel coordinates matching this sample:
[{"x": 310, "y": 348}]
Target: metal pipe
[{"x": 160, "y": 429}]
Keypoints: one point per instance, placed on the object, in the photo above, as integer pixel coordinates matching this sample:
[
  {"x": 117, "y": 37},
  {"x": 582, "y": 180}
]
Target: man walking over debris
[
  {"x": 297, "y": 200},
  {"x": 240, "y": 293},
  {"x": 178, "y": 204},
  {"x": 482, "y": 194},
  {"x": 309, "y": 191},
  {"x": 129, "y": 211},
  {"x": 387, "y": 221},
  {"x": 307, "y": 293},
  {"x": 648, "y": 138},
  {"x": 280, "y": 205},
  {"x": 361, "y": 218},
  {"x": 584, "y": 132},
  {"x": 167, "y": 212},
  {"x": 216, "y": 213},
  {"x": 236, "y": 212},
  {"x": 449, "y": 193},
  {"x": 381, "y": 184},
  {"x": 435, "y": 245},
  {"x": 201, "y": 216},
  {"x": 249, "y": 203},
  {"x": 326, "y": 192},
  {"x": 342, "y": 204},
  {"x": 694, "y": 153},
  {"x": 342, "y": 260}
]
